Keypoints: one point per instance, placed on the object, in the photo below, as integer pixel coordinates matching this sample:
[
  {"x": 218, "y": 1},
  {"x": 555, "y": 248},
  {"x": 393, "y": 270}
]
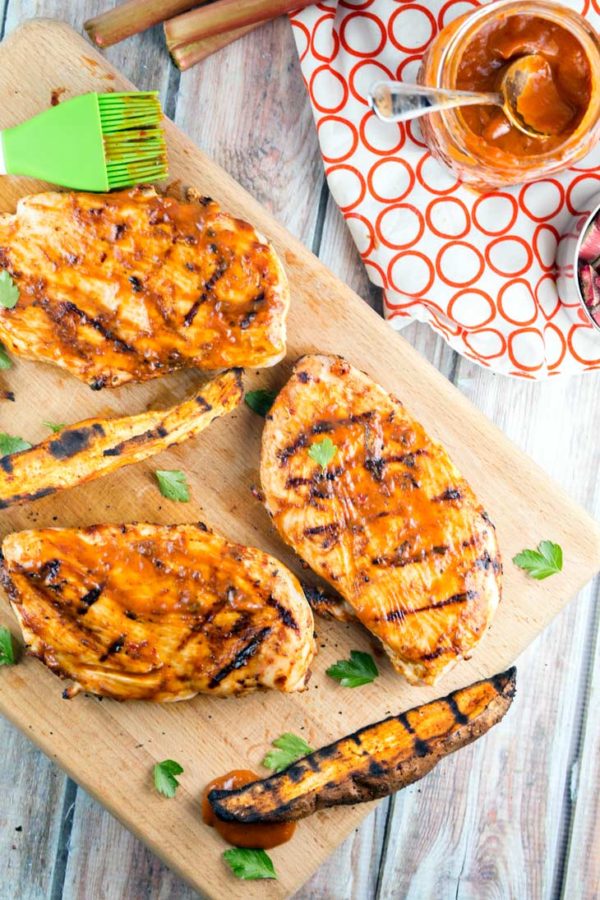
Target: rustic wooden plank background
[{"x": 515, "y": 815}]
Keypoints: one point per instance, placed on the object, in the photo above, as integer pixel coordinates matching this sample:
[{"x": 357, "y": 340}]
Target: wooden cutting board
[{"x": 110, "y": 748}]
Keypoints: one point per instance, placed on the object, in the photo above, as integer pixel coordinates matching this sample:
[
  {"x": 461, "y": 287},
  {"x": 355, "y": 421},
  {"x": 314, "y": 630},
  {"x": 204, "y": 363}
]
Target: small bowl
[{"x": 567, "y": 260}]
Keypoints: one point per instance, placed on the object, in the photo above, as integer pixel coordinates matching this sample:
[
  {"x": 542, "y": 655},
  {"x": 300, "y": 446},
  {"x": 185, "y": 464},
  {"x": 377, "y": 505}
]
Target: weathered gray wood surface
[{"x": 515, "y": 815}]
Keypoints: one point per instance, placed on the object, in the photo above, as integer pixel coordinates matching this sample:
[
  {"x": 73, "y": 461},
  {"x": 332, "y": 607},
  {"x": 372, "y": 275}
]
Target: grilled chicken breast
[
  {"x": 389, "y": 522},
  {"x": 96, "y": 447},
  {"x": 151, "y": 612},
  {"x": 128, "y": 286}
]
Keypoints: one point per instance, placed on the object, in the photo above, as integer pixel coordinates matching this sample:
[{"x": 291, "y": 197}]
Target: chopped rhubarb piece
[
  {"x": 590, "y": 246},
  {"x": 589, "y": 281}
]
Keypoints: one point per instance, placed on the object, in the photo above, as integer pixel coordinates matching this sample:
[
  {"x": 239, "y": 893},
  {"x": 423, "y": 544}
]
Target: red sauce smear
[
  {"x": 255, "y": 837},
  {"x": 556, "y": 99}
]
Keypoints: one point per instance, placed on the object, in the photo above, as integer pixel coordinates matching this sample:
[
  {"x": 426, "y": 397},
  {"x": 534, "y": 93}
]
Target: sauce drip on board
[
  {"x": 256, "y": 836},
  {"x": 555, "y": 98}
]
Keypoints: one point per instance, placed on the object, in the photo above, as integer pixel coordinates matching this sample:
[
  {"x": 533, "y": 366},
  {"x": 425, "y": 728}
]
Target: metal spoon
[{"x": 395, "y": 101}]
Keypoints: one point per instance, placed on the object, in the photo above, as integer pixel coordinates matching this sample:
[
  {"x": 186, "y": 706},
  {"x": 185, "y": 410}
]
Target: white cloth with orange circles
[{"x": 478, "y": 269}]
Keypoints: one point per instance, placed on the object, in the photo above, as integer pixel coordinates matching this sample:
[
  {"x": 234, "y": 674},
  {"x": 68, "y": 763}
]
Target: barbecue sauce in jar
[
  {"x": 255, "y": 836},
  {"x": 554, "y": 99},
  {"x": 561, "y": 96}
]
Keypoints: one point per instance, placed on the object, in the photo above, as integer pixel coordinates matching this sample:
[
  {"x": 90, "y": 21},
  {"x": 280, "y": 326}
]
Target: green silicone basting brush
[{"x": 94, "y": 142}]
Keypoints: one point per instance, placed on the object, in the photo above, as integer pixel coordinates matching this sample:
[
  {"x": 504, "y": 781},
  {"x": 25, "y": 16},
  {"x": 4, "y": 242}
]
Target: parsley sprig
[
  {"x": 359, "y": 669},
  {"x": 7, "y": 648},
  {"x": 5, "y": 360},
  {"x": 173, "y": 485},
  {"x": 165, "y": 777},
  {"x": 322, "y": 452},
  {"x": 9, "y": 443},
  {"x": 541, "y": 563},
  {"x": 249, "y": 864},
  {"x": 260, "y": 401},
  {"x": 54, "y": 426},
  {"x": 9, "y": 292},
  {"x": 289, "y": 748}
]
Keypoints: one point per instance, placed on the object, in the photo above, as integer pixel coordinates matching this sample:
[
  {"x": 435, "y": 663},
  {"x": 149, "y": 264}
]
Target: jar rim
[{"x": 585, "y": 35}]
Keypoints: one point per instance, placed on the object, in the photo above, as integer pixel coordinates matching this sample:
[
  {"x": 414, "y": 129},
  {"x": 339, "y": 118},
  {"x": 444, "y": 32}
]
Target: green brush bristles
[{"x": 134, "y": 143}]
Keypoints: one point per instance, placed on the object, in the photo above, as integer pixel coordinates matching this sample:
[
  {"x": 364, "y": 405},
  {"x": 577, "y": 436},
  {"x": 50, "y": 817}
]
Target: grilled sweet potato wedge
[
  {"x": 373, "y": 762},
  {"x": 131, "y": 285},
  {"x": 157, "y": 612},
  {"x": 96, "y": 447},
  {"x": 387, "y": 520}
]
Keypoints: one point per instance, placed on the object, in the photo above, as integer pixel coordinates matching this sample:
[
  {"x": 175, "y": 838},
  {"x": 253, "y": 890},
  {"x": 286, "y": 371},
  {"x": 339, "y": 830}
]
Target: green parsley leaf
[
  {"x": 7, "y": 649},
  {"x": 173, "y": 485},
  {"x": 290, "y": 747},
  {"x": 249, "y": 864},
  {"x": 260, "y": 401},
  {"x": 322, "y": 452},
  {"x": 164, "y": 774},
  {"x": 9, "y": 292},
  {"x": 5, "y": 360},
  {"x": 359, "y": 669},
  {"x": 541, "y": 563},
  {"x": 10, "y": 444},
  {"x": 54, "y": 427}
]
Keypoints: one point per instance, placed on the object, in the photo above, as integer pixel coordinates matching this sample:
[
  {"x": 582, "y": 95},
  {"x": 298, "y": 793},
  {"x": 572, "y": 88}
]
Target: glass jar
[{"x": 466, "y": 153}]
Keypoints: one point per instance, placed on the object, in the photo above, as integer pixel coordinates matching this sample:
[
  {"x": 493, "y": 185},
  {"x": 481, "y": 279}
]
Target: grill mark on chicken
[
  {"x": 206, "y": 290},
  {"x": 241, "y": 659},
  {"x": 284, "y": 613},
  {"x": 316, "y": 478},
  {"x": 116, "y": 647},
  {"x": 331, "y": 532},
  {"x": 89, "y": 599},
  {"x": 376, "y": 466},
  {"x": 398, "y": 615},
  {"x": 246, "y": 322},
  {"x": 449, "y": 494},
  {"x": 69, "y": 307},
  {"x": 287, "y": 452},
  {"x": 50, "y": 570},
  {"x": 407, "y": 459},
  {"x": 322, "y": 427},
  {"x": 486, "y": 562},
  {"x": 403, "y": 559},
  {"x": 332, "y": 528},
  {"x": 440, "y": 651}
]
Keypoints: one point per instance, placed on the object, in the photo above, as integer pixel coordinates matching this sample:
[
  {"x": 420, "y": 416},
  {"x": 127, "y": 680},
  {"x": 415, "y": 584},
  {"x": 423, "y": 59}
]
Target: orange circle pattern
[{"x": 478, "y": 268}]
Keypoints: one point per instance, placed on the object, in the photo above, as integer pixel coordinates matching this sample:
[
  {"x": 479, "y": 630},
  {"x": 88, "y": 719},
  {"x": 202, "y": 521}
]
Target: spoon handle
[{"x": 395, "y": 101}]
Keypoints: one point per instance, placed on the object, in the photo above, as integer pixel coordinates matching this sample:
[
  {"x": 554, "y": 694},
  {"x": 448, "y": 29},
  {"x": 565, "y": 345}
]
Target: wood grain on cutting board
[{"x": 110, "y": 748}]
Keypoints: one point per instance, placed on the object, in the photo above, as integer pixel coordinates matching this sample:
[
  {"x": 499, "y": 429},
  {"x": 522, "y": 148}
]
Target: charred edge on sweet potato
[
  {"x": 96, "y": 447},
  {"x": 375, "y": 761}
]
